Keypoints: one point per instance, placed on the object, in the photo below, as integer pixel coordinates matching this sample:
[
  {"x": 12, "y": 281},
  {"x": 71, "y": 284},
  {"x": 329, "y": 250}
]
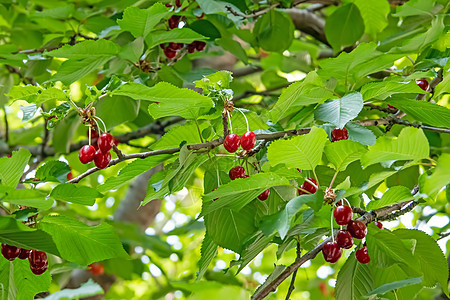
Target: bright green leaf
[
  {"x": 69, "y": 192},
  {"x": 340, "y": 111}
]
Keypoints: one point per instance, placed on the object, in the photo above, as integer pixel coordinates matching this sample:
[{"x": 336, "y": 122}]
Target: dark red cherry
[
  {"x": 331, "y": 252},
  {"x": 38, "y": 259},
  {"x": 10, "y": 252},
  {"x": 236, "y": 172},
  {"x": 96, "y": 269},
  {"x": 174, "y": 21},
  {"x": 116, "y": 141},
  {"x": 200, "y": 46},
  {"x": 379, "y": 224},
  {"x": 264, "y": 195},
  {"x": 357, "y": 228},
  {"x": 105, "y": 142},
  {"x": 175, "y": 46},
  {"x": 94, "y": 134},
  {"x": 423, "y": 84},
  {"x": 339, "y": 134},
  {"x": 201, "y": 16},
  {"x": 191, "y": 47},
  {"x": 310, "y": 187},
  {"x": 86, "y": 154},
  {"x": 362, "y": 256},
  {"x": 232, "y": 142},
  {"x": 169, "y": 53},
  {"x": 393, "y": 107},
  {"x": 248, "y": 140},
  {"x": 101, "y": 159},
  {"x": 69, "y": 176},
  {"x": 344, "y": 239},
  {"x": 24, "y": 254},
  {"x": 39, "y": 270},
  {"x": 343, "y": 214},
  {"x": 178, "y": 3},
  {"x": 168, "y": 5}
]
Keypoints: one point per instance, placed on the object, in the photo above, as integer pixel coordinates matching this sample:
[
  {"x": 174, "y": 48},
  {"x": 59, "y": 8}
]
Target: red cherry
[
  {"x": 178, "y": 3},
  {"x": 343, "y": 214},
  {"x": 236, "y": 172},
  {"x": 96, "y": 269},
  {"x": 168, "y": 5},
  {"x": 162, "y": 46},
  {"x": 331, "y": 252},
  {"x": 101, "y": 159},
  {"x": 116, "y": 141},
  {"x": 307, "y": 186},
  {"x": 200, "y": 46},
  {"x": 344, "y": 239},
  {"x": 264, "y": 195},
  {"x": 357, "y": 228},
  {"x": 86, "y": 154},
  {"x": 232, "y": 142},
  {"x": 362, "y": 256},
  {"x": 393, "y": 107},
  {"x": 379, "y": 224},
  {"x": 94, "y": 134},
  {"x": 39, "y": 270},
  {"x": 174, "y": 21},
  {"x": 10, "y": 252},
  {"x": 423, "y": 84},
  {"x": 105, "y": 142},
  {"x": 38, "y": 259},
  {"x": 201, "y": 16},
  {"x": 175, "y": 46},
  {"x": 339, "y": 134},
  {"x": 24, "y": 254},
  {"x": 248, "y": 140},
  {"x": 69, "y": 176},
  {"x": 191, "y": 48},
  {"x": 169, "y": 53}
]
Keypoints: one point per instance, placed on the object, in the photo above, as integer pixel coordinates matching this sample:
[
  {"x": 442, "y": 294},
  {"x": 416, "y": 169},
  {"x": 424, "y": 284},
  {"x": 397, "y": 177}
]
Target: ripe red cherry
[
  {"x": 331, "y": 252},
  {"x": 343, "y": 214},
  {"x": 175, "y": 46},
  {"x": 94, "y": 134},
  {"x": 232, "y": 142},
  {"x": 379, "y": 224},
  {"x": 96, "y": 269},
  {"x": 24, "y": 254},
  {"x": 248, "y": 140},
  {"x": 236, "y": 172},
  {"x": 344, "y": 239},
  {"x": 169, "y": 53},
  {"x": 310, "y": 187},
  {"x": 339, "y": 134},
  {"x": 105, "y": 142},
  {"x": 116, "y": 141},
  {"x": 178, "y": 3},
  {"x": 357, "y": 228},
  {"x": 10, "y": 252},
  {"x": 38, "y": 262},
  {"x": 393, "y": 107},
  {"x": 101, "y": 159},
  {"x": 200, "y": 46},
  {"x": 362, "y": 256},
  {"x": 86, "y": 154},
  {"x": 174, "y": 21},
  {"x": 191, "y": 47},
  {"x": 423, "y": 84},
  {"x": 264, "y": 195},
  {"x": 69, "y": 176}
]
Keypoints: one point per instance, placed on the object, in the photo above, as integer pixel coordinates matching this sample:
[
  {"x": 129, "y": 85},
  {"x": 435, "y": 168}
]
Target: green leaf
[
  {"x": 28, "y": 112},
  {"x": 89, "y": 288},
  {"x": 362, "y": 61},
  {"x": 429, "y": 255},
  {"x": 392, "y": 274},
  {"x": 252, "y": 250},
  {"x": 177, "y": 35},
  {"x": 12, "y": 168},
  {"x": 344, "y": 27},
  {"x": 395, "y": 194},
  {"x": 415, "y": 7},
  {"x": 354, "y": 280},
  {"x": 215, "y": 82},
  {"x": 130, "y": 171},
  {"x": 69, "y": 192},
  {"x": 309, "y": 91},
  {"x": 429, "y": 113},
  {"x": 80, "y": 243},
  {"x": 18, "y": 282},
  {"x": 281, "y": 221},
  {"x": 25, "y": 197},
  {"x": 383, "y": 89},
  {"x": 360, "y": 134},
  {"x": 340, "y": 111},
  {"x": 208, "y": 251},
  {"x": 28, "y": 93},
  {"x": 303, "y": 152},
  {"x": 54, "y": 170},
  {"x": 374, "y": 179},
  {"x": 94, "y": 50},
  {"x": 116, "y": 110},
  {"x": 411, "y": 144},
  {"x": 133, "y": 51},
  {"x": 234, "y": 194},
  {"x": 173, "y": 101},
  {"x": 234, "y": 47},
  {"x": 140, "y": 22},
  {"x": 51, "y": 94},
  {"x": 187, "y": 132},
  {"x": 342, "y": 153},
  {"x": 431, "y": 185},
  {"x": 274, "y": 31},
  {"x": 231, "y": 229},
  {"x": 381, "y": 290},
  {"x": 374, "y": 14},
  {"x": 72, "y": 70}
]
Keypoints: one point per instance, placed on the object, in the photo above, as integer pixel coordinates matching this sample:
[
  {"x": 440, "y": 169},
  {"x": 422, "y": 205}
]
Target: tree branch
[{"x": 294, "y": 274}]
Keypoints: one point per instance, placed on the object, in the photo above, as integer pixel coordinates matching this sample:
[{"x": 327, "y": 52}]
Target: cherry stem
[
  {"x": 246, "y": 121},
  {"x": 103, "y": 123},
  {"x": 332, "y": 232},
  {"x": 229, "y": 121},
  {"x": 305, "y": 191},
  {"x": 332, "y": 180},
  {"x": 90, "y": 128},
  {"x": 74, "y": 105}
]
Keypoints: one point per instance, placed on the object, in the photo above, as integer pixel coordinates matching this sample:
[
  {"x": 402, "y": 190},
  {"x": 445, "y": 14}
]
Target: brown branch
[
  {"x": 380, "y": 108},
  {"x": 393, "y": 120},
  {"x": 294, "y": 274},
  {"x": 366, "y": 218}
]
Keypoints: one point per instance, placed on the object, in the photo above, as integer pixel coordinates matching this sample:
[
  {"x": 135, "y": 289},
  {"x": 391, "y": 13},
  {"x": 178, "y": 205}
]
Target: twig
[
  {"x": 380, "y": 108},
  {"x": 393, "y": 120},
  {"x": 294, "y": 274},
  {"x": 443, "y": 235}
]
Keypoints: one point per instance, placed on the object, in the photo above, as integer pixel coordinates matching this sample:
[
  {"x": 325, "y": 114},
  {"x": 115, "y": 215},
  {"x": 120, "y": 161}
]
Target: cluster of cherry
[
  {"x": 99, "y": 150},
  {"x": 38, "y": 259},
  {"x": 239, "y": 172},
  {"x": 233, "y": 141},
  {"x": 332, "y": 251}
]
